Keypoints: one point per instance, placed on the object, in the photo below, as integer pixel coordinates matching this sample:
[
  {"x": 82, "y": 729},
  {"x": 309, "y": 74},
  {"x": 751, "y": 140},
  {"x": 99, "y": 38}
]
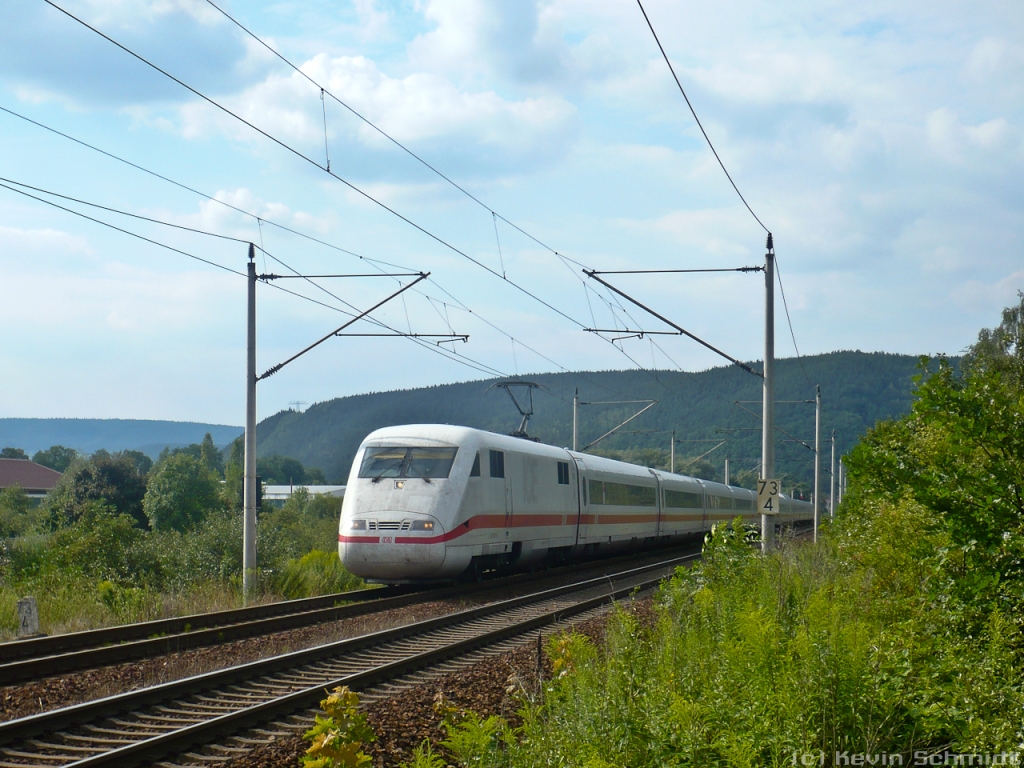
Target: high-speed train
[{"x": 429, "y": 502}]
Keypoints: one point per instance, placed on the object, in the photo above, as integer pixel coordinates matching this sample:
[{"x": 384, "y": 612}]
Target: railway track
[
  {"x": 158, "y": 723},
  {"x": 26, "y": 660}
]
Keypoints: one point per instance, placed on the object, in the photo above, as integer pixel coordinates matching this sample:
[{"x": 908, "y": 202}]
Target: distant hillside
[
  {"x": 857, "y": 388},
  {"x": 88, "y": 435}
]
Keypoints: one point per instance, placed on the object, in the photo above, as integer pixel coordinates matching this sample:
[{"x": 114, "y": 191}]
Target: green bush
[
  {"x": 315, "y": 573},
  {"x": 111, "y": 478},
  {"x": 752, "y": 660},
  {"x": 181, "y": 493}
]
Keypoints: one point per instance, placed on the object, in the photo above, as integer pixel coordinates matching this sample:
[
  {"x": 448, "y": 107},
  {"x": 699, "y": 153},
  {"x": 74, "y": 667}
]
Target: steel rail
[
  {"x": 293, "y": 671},
  {"x": 27, "y": 660},
  {"x": 73, "y": 641}
]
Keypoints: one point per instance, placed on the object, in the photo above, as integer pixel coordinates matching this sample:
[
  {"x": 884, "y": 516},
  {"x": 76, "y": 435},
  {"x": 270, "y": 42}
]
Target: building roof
[
  {"x": 284, "y": 492},
  {"x": 27, "y": 474}
]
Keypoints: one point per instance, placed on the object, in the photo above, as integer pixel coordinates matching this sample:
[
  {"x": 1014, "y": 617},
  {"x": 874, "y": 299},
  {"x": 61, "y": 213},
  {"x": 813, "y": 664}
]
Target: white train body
[{"x": 428, "y": 501}]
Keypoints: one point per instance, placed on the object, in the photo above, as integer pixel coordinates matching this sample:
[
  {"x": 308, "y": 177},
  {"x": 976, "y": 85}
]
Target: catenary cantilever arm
[{"x": 336, "y": 331}]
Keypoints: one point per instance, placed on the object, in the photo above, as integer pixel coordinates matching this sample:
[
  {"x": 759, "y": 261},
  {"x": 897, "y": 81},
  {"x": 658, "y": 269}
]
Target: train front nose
[{"x": 392, "y": 546}]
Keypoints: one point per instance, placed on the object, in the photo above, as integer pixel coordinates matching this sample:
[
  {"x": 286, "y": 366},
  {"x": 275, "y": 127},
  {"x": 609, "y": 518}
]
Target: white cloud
[
  {"x": 35, "y": 243},
  {"x": 991, "y": 141},
  {"x": 372, "y": 20},
  {"x": 770, "y": 74},
  {"x": 994, "y": 57},
  {"x": 421, "y": 109},
  {"x": 47, "y": 56},
  {"x": 980, "y": 296},
  {"x": 219, "y": 215}
]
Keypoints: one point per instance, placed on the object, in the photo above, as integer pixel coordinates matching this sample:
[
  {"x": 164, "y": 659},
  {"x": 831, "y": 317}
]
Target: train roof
[{"x": 453, "y": 435}]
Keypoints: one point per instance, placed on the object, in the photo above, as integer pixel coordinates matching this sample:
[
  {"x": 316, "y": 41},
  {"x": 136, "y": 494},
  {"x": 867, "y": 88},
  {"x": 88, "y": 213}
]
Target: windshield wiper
[
  {"x": 412, "y": 466},
  {"x": 378, "y": 478}
]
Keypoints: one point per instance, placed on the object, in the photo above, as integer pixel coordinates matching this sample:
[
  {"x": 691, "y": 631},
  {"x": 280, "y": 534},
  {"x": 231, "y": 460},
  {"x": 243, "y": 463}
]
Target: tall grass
[
  {"x": 103, "y": 570},
  {"x": 758, "y": 660}
]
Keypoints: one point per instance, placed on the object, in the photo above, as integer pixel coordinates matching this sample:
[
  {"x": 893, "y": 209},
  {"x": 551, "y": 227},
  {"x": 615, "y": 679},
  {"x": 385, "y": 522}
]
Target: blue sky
[{"x": 882, "y": 145}]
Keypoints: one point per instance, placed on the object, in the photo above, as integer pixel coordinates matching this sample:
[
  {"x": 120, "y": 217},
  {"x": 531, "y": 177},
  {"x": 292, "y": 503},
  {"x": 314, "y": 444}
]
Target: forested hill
[{"x": 857, "y": 389}]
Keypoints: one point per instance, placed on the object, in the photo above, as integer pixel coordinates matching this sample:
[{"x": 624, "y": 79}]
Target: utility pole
[
  {"x": 672, "y": 454},
  {"x": 249, "y": 494},
  {"x": 817, "y": 459},
  {"x": 832, "y": 481},
  {"x": 726, "y": 470},
  {"x": 842, "y": 481},
  {"x": 575, "y": 416},
  {"x": 768, "y": 405}
]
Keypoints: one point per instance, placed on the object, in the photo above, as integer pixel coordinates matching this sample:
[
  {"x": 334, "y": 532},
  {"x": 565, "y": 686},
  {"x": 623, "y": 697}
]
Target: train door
[
  {"x": 657, "y": 487},
  {"x": 704, "y": 508},
  {"x": 509, "y": 507},
  {"x": 499, "y": 470},
  {"x": 581, "y": 498}
]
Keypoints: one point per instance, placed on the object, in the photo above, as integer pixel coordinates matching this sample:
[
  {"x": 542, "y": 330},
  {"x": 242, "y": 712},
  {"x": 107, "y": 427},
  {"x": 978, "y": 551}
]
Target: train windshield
[{"x": 404, "y": 461}]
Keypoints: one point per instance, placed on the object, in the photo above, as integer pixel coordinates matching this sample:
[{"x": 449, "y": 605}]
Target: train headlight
[
  {"x": 422, "y": 525},
  {"x": 357, "y": 525}
]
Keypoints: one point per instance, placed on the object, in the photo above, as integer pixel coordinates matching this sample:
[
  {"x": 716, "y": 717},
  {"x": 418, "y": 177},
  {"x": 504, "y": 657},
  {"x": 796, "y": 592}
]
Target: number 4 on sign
[{"x": 768, "y": 492}]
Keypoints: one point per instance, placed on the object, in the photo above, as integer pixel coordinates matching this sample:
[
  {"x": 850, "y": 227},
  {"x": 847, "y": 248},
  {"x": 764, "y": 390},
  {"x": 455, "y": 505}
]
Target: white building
[{"x": 277, "y": 495}]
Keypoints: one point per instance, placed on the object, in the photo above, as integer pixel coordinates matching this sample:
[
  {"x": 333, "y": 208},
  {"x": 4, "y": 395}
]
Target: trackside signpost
[{"x": 768, "y": 492}]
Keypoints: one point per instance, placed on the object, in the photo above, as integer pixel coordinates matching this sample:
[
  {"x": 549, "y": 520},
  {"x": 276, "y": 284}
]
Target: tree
[
  {"x": 181, "y": 492},
  {"x": 13, "y": 453},
  {"x": 280, "y": 470},
  {"x": 234, "y": 471},
  {"x": 104, "y": 476},
  {"x": 210, "y": 456},
  {"x": 1000, "y": 350},
  {"x": 205, "y": 452},
  {"x": 141, "y": 461},
  {"x": 14, "y": 512},
  {"x": 960, "y": 454},
  {"x": 56, "y": 457}
]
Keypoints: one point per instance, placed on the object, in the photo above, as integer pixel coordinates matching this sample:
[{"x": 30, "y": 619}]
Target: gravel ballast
[{"x": 493, "y": 686}]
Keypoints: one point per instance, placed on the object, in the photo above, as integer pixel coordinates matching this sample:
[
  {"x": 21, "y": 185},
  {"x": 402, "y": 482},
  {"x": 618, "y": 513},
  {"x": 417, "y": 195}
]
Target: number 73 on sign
[{"x": 768, "y": 492}]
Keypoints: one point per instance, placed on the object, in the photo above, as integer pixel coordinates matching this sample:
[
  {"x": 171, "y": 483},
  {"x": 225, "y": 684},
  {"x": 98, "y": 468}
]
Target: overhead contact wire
[
  {"x": 697, "y": 119},
  {"x": 309, "y": 160}
]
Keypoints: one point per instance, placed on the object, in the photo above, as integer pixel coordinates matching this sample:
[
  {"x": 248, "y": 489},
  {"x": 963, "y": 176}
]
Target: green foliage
[
  {"x": 234, "y": 476},
  {"x": 424, "y": 756},
  {"x": 305, "y": 523},
  {"x": 181, "y": 492},
  {"x": 960, "y": 454},
  {"x": 101, "y": 544},
  {"x": 315, "y": 573},
  {"x": 1001, "y": 349},
  {"x": 13, "y": 453},
  {"x": 141, "y": 461},
  {"x": 476, "y": 740},
  {"x": 211, "y": 552},
  {"x": 337, "y": 739},
  {"x": 314, "y": 476},
  {"x": 56, "y": 457},
  {"x": 206, "y": 453},
  {"x": 111, "y": 478},
  {"x": 752, "y": 659},
  {"x": 16, "y": 517},
  {"x": 100, "y": 568},
  {"x": 280, "y": 470}
]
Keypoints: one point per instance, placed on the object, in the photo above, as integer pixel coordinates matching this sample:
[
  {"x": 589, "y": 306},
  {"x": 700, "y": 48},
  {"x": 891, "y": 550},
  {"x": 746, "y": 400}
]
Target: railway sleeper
[{"x": 65, "y": 748}]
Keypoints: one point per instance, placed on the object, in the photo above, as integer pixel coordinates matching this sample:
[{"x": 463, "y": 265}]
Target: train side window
[
  {"x": 497, "y": 464},
  {"x": 563, "y": 473},
  {"x": 475, "y": 471}
]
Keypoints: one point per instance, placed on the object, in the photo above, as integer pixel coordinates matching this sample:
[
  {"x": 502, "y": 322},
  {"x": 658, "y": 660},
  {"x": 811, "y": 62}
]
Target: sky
[{"x": 881, "y": 144}]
